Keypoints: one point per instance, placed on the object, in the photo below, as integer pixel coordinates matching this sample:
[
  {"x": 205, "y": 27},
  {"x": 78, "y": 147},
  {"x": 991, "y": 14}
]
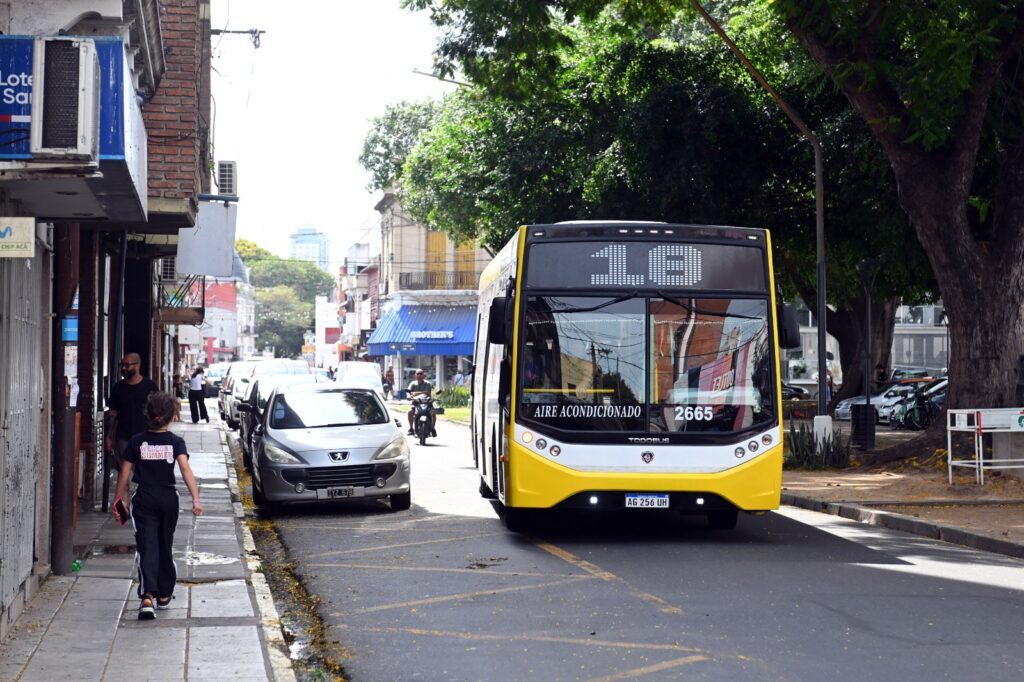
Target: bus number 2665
[{"x": 691, "y": 413}]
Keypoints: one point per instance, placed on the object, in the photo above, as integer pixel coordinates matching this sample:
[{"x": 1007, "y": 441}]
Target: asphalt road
[{"x": 444, "y": 592}]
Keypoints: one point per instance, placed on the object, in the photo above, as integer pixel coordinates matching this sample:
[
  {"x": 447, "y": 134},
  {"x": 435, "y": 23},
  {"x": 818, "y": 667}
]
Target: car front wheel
[{"x": 401, "y": 501}]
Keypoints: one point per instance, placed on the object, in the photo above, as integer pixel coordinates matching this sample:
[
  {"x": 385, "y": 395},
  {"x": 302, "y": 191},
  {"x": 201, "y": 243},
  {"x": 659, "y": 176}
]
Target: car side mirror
[
  {"x": 398, "y": 423},
  {"x": 244, "y": 407}
]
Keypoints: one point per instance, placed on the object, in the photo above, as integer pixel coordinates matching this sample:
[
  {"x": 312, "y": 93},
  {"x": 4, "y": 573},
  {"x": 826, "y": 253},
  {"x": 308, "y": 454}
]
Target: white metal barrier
[{"x": 1006, "y": 424}]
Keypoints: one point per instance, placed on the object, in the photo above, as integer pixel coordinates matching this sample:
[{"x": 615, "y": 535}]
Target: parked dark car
[
  {"x": 250, "y": 408},
  {"x": 793, "y": 392}
]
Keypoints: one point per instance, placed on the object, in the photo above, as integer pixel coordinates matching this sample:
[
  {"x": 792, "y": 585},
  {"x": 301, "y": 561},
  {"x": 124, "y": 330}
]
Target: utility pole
[{"x": 822, "y": 423}]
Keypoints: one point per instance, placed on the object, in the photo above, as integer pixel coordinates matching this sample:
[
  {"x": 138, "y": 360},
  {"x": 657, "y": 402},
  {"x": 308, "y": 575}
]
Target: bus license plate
[
  {"x": 647, "y": 501},
  {"x": 335, "y": 493}
]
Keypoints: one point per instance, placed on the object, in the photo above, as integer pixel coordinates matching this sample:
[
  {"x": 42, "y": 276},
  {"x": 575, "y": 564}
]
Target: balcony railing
[
  {"x": 437, "y": 280},
  {"x": 182, "y": 302}
]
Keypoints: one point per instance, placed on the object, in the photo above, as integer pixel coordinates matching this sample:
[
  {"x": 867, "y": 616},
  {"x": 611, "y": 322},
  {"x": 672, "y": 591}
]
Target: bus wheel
[
  {"x": 723, "y": 519},
  {"x": 517, "y": 520}
]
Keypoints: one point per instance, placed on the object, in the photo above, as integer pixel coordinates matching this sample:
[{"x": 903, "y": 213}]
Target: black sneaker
[
  {"x": 163, "y": 603},
  {"x": 146, "y": 610},
  {"x": 410, "y": 432},
  {"x": 433, "y": 433}
]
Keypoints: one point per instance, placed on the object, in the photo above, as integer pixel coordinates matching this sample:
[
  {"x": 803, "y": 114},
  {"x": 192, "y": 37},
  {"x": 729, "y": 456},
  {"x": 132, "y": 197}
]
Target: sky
[{"x": 294, "y": 112}]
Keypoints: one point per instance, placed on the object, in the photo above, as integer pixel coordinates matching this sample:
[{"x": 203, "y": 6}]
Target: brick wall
[{"x": 174, "y": 122}]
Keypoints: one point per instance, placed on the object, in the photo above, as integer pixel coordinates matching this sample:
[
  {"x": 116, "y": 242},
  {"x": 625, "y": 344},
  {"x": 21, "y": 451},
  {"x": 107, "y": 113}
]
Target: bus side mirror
[
  {"x": 789, "y": 330},
  {"x": 496, "y": 321}
]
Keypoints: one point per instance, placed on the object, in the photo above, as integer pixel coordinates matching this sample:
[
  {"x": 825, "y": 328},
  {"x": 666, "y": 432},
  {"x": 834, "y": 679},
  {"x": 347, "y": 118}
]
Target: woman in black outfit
[
  {"x": 197, "y": 396},
  {"x": 149, "y": 462}
]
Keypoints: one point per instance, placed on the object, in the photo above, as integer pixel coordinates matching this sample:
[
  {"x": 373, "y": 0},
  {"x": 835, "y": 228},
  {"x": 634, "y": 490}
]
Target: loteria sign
[{"x": 17, "y": 237}]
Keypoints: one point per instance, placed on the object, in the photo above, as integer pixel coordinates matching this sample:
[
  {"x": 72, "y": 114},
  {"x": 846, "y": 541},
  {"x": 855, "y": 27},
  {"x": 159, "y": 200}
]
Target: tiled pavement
[{"x": 222, "y": 624}]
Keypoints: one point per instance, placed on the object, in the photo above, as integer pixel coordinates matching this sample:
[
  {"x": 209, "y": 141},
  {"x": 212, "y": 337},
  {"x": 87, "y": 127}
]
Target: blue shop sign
[{"x": 69, "y": 329}]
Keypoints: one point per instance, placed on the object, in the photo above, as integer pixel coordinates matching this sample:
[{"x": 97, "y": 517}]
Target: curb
[
  {"x": 907, "y": 524},
  {"x": 270, "y": 621}
]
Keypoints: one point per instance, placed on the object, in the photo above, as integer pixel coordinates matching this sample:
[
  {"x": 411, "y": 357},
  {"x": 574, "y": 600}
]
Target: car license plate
[
  {"x": 337, "y": 493},
  {"x": 647, "y": 501}
]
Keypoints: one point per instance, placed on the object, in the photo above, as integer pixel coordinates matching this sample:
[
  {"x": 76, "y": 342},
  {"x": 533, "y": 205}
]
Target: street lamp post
[
  {"x": 822, "y": 423},
  {"x": 867, "y": 268}
]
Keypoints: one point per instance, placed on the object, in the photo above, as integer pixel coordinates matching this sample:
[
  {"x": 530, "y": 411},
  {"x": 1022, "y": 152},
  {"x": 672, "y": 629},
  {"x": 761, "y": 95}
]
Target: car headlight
[
  {"x": 279, "y": 455},
  {"x": 394, "y": 449}
]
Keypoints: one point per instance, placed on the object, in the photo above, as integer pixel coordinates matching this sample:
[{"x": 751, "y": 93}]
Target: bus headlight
[
  {"x": 740, "y": 452},
  {"x": 766, "y": 439}
]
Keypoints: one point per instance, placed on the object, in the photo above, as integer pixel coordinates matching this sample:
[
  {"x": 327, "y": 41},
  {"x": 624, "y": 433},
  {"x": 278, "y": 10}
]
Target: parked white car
[
  {"x": 360, "y": 375},
  {"x": 883, "y": 402}
]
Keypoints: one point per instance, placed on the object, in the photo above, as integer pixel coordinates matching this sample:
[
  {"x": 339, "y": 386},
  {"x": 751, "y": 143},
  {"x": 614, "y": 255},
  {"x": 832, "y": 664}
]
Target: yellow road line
[
  {"x": 458, "y": 597},
  {"x": 427, "y": 569},
  {"x": 608, "y": 576},
  {"x": 647, "y": 670}
]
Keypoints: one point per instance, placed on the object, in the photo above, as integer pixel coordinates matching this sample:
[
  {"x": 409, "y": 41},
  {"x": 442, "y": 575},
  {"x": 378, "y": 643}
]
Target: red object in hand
[{"x": 120, "y": 511}]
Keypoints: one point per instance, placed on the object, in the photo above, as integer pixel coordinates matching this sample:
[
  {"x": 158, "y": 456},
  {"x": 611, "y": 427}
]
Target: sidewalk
[
  {"x": 221, "y": 625},
  {"x": 919, "y": 499}
]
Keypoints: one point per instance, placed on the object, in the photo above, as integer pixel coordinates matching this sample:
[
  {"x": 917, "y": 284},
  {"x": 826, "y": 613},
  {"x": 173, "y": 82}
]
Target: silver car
[{"x": 323, "y": 442}]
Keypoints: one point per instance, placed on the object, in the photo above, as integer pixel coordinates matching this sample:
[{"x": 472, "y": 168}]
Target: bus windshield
[{"x": 646, "y": 364}]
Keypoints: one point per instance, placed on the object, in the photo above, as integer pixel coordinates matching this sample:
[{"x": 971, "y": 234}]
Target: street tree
[
  {"x": 281, "y": 320},
  {"x": 391, "y": 137},
  {"x": 938, "y": 85},
  {"x": 306, "y": 279},
  {"x": 665, "y": 129},
  {"x": 250, "y": 252}
]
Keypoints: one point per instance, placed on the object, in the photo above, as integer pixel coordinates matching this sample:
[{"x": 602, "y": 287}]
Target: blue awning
[{"x": 425, "y": 330}]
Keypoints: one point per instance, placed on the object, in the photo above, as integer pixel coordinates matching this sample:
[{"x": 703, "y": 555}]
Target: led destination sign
[{"x": 645, "y": 265}]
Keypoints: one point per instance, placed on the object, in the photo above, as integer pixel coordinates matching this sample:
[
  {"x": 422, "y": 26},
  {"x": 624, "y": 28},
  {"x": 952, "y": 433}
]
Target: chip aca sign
[{"x": 17, "y": 237}]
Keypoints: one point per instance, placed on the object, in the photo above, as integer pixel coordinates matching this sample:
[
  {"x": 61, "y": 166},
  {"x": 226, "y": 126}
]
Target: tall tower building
[{"x": 310, "y": 244}]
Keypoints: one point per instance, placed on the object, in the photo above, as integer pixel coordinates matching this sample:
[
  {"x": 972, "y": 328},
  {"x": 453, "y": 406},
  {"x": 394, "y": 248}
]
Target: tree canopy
[
  {"x": 285, "y": 293},
  {"x": 937, "y": 85},
  {"x": 281, "y": 319}
]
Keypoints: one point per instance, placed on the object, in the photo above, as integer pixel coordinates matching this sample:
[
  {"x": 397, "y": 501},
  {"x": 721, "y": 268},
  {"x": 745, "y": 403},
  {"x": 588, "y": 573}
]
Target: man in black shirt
[{"x": 126, "y": 405}]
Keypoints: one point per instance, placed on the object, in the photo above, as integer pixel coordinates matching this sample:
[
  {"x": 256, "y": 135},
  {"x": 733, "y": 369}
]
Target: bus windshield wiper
[
  {"x": 700, "y": 311},
  {"x": 572, "y": 309}
]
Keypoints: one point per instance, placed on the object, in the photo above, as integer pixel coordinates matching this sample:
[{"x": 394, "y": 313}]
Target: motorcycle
[
  {"x": 915, "y": 411},
  {"x": 423, "y": 410}
]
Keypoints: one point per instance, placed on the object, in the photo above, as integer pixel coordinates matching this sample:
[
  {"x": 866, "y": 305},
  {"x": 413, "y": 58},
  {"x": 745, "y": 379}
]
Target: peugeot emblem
[
  {"x": 647, "y": 456},
  {"x": 339, "y": 456}
]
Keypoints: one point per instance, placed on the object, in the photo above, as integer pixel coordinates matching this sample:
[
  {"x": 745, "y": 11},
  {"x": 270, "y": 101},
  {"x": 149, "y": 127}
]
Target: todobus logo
[{"x": 6, "y": 232}]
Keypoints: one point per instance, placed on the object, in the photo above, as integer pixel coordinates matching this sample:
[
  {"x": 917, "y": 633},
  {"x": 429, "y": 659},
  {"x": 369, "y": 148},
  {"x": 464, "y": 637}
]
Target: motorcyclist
[{"x": 420, "y": 388}]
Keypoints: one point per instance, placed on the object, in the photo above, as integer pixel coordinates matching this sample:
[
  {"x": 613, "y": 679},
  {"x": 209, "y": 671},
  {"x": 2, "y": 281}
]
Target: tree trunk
[{"x": 982, "y": 286}]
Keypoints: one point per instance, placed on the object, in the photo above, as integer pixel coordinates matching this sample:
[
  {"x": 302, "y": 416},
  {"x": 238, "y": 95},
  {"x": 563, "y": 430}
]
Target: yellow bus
[{"x": 630, "y": 365}]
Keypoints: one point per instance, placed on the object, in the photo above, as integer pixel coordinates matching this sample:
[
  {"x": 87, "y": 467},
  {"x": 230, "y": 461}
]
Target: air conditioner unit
[
  {"x": 65, "y": 99},
  {"x": 227, "y": 177}
]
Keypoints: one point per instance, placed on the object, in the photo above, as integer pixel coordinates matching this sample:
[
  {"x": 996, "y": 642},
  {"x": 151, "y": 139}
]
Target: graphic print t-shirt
[{"x": 153, "y": 455}]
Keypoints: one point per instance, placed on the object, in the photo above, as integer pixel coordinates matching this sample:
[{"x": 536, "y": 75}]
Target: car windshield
[
  {"x": 317, "y": 409},
  {"x": 637, "y": 364}
]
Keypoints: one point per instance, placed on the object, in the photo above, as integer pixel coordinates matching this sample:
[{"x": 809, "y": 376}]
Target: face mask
[{"x": 128, "y": 372}]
